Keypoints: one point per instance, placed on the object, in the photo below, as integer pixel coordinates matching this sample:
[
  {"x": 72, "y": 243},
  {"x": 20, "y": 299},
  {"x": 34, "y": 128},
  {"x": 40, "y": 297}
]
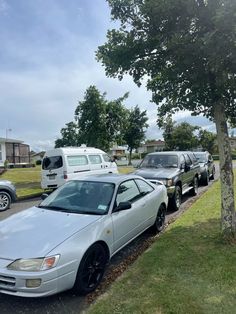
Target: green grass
[
  {"x": 187, "y": 270},
  {"x": 23, "y": 175},
  {"x": 27, "y": 180},
  {"x": 127, "y": 169}
]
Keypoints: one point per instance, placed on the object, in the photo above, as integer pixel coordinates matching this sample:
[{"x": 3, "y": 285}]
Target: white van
[{"x": 66, "y": 163}]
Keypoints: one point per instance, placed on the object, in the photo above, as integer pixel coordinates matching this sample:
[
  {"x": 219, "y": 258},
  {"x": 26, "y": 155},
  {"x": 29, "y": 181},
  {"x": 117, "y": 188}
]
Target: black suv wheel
[
  {"x": 194, "y": 190},
  {"x": 175, "y": 201}
]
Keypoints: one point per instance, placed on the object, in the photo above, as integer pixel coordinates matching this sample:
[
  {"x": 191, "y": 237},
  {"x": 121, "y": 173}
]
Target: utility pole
[{"x": 7, "y": 130}]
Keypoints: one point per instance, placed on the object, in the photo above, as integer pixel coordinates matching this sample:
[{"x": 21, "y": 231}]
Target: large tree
[
  {"x": 98, "y": 122},
  {"x": 90, "y": 115},
  {"x": 187, "y": 49},
  {"x": 69, "y": 136},
  {"x": 135, "y": 129},
  {"x": 207, "y": 140},
  {"x": 182, "y": 137}
]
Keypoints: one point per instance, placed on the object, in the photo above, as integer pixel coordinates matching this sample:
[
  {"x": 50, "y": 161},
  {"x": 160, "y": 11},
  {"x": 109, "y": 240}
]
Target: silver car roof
[{"x": 109, "y": 178}]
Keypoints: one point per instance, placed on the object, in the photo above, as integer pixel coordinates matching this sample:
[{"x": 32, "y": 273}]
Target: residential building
[
  {"x": 152, "y": 146},
  {"x": 14, "y": 151},
  {"x": 118, "y": 150},
  {"x": 37, "y": 156}
]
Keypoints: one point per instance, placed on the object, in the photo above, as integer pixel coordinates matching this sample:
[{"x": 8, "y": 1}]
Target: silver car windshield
[
  {"x": 160, "y": 161},
  {"x": 82, "y": 197}
]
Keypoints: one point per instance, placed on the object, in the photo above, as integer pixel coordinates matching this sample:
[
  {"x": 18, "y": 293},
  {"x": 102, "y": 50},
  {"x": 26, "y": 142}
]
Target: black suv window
[
  {"x": 193, "y": 158},
  {"x": 187, "y": 160},
  {"x": 160, "y": 161},
  {"x": 181, "y": 161}
]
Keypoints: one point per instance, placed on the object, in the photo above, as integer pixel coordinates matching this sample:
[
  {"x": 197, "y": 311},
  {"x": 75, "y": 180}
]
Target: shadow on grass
[{"x": 28, "y": 185}]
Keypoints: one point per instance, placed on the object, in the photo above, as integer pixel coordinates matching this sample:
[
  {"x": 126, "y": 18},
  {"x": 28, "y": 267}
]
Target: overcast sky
[{"x": 47, "y": 61}]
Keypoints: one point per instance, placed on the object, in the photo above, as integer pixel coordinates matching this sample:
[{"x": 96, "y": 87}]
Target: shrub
[
  {"x": 6, "y": 162},
  {"x": 38, "y": 162}
]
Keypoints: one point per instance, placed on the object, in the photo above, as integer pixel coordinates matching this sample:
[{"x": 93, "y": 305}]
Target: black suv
[
  {"x": 207, "y": 167},
  {"x": 178, "y": 171}
]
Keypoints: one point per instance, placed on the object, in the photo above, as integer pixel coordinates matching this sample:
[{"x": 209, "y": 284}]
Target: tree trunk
[
  {"x": 228, "y": 218},
  {"x": 130, "y": 154}
]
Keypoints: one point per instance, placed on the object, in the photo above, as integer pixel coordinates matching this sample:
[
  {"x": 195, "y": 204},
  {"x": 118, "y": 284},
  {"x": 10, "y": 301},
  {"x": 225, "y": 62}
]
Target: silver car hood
[{"x": 34, "y": 232}]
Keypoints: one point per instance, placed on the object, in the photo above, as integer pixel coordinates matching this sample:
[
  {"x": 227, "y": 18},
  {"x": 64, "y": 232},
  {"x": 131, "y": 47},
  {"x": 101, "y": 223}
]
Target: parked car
[
  {"x": 67, "y": 240},
  {"x": 179, "y": 172},
  {"x": 7, "y": 194},
  {"x": 207, "y": 166},
  {"x": 62, "y": 164}
]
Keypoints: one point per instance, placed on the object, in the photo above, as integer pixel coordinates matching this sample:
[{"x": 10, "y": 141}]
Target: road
[{"x": 66, "y": 303}]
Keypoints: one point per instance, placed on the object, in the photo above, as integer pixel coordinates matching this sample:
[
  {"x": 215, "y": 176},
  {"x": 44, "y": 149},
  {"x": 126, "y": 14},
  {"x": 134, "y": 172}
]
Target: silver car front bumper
[{"x": 52, "y": 281}]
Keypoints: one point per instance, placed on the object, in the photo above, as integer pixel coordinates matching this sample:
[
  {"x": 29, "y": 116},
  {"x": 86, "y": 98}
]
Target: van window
[
  {"x": 95, "y": 159},
  {"x": 53, "y": 162},
  {"x": 79, "y": 160}
]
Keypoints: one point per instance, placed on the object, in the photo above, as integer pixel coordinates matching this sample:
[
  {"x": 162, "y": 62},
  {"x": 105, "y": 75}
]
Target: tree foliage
[
  {"x": 69, "y": 136},
  {"x": 182, "y": 137},
  {"x": 90, "y": 116},
  {"x": 207, "y": 140},
  {"x": 135, "y": 129},
  {"x": 98, "y": 122},
  {"x": 187, "y": 49}
]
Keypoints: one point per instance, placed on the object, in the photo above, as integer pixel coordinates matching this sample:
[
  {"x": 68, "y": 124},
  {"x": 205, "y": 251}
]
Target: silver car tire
[
  {"x": 91, "y": 270},
  {"x": 5, "y": 200},
  {"x": 160, "y": 219}
]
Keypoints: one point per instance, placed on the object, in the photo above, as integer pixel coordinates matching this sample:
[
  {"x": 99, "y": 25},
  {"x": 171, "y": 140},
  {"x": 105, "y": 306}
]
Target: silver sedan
[{"x": 67, "y": 241}]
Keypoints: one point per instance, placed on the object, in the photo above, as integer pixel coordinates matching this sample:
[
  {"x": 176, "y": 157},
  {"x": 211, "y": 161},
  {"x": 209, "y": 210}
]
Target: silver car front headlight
[{"x": 34, "y": 264}]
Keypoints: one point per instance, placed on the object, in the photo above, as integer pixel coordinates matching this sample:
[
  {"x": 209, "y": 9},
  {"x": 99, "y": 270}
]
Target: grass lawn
[
  {"x": 27, "y": 180},
  {"x": 187, "y": 270}
]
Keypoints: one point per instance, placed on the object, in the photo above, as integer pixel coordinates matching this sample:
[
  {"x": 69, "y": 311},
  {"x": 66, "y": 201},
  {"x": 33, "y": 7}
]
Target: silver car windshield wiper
[
  {"x": 57, "y": 208},
  {"x": 90, "y": 213}
]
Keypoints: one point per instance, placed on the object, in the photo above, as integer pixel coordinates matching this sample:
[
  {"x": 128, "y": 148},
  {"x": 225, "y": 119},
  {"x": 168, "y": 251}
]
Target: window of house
[{"x": 0, "y": 151}]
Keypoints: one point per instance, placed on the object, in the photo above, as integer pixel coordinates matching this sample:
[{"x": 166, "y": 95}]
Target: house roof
[
  {"x": 41, "y": 154},
  {"x": 10, "y": 140}
]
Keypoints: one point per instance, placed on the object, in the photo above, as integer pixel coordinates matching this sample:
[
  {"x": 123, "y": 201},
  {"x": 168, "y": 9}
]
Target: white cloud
[
  {"x": 4, "y": 7},
  {"x": 48, "y": 64}
]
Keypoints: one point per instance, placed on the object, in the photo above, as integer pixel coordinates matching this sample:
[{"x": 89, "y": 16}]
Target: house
[
  {"x": 152, "y": 146},
  {"x": 15, "y": 152},
  {"x": 35, "y": 157},
  {"x": 118, "y": 151}
]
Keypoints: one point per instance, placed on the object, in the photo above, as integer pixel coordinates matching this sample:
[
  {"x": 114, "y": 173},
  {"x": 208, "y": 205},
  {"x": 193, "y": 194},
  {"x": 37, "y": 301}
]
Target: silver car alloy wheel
[{"x": 4, "y": 201}]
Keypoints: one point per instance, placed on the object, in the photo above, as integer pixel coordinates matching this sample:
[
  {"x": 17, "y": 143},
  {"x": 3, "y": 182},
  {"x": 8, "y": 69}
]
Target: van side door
[
  {"x": 77, "y": 165},
  {"x": 96, "y": 163}
]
